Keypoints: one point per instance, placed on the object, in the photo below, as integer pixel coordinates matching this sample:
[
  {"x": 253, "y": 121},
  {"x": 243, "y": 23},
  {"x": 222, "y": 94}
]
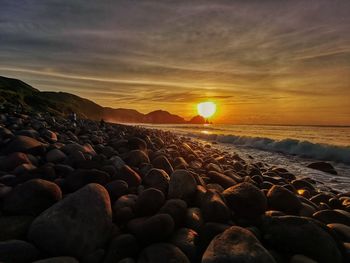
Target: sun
[{"x": 206, "y": 109}]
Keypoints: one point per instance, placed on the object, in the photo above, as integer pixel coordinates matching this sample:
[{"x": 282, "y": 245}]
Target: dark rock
[
  {"x": 82, "y": 177},
  {"x": 136, "y": 143},
  {"x": 302, "y": 184},
  {"x": 194, "y": 218},
  {"x": 323, "y": 166},
  {"x": 221, "y": 179},
  {"x": 158, "y": 179},
  {"x": 24, "y": 144},
  {"x": 182, "y": 185},
  {"x": 55, "y": 156},
  {"x": 152, "y": 229},
  {"x": 298, "y": 235},
  {"x": 214, "y": 208},
  {"x": 301, "y": 259},
  {"x": 32, "y": 197},
  {"x": 176, "y": 208},
  {"x": 17, "y": 251},
  {"x": 236, "y": 244},
  {"x": 121, "y": 247},
  {"x": 10, "y": 162},
  {"x": 128, "y": 175},
  {"x": 162, "y": 253},
  {"x": 149, "y": 202},
  {"x": 77, "y": 225},
  {"x": 124, "y": 208},
  {"x": 185, "y": 239},
  {"x": 281, "y": 199},
  {"x": 333, "y": 216},
  {"x": 57, "y": 260},
  {"x": 116, "y": 189},
  {"x": 14, "y": 227},
  {"x": 246, "y": 200},
  {"x": 161, "y": 162},
  {"x": 136, "y": 157},
  {"x": 208, "y": 231},
  {"x": 343, "y": 231}
]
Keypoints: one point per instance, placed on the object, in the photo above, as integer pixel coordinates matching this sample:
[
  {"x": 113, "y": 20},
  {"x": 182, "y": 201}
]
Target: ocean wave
[{"x": 304, "y": 149}]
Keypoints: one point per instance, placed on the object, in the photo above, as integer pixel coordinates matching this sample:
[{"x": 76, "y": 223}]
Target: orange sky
[{"x": 262, "y": 62}]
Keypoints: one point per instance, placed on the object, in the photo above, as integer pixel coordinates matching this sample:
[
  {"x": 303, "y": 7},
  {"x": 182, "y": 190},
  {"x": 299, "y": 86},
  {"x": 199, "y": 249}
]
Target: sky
[{"x": 261, "y": 62}]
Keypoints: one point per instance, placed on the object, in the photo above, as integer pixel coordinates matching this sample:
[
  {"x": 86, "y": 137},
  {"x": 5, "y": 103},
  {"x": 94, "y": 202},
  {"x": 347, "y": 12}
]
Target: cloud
[{"x": 149, "y": 52}]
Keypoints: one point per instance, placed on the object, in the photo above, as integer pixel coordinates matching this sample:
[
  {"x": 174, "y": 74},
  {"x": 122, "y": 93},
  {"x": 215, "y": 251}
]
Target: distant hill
[{"x": 14, "y": 91}]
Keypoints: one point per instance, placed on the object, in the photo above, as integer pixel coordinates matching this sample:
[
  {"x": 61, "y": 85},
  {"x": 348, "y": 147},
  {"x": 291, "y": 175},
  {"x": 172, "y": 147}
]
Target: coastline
[{"x": 155, "y": 195}]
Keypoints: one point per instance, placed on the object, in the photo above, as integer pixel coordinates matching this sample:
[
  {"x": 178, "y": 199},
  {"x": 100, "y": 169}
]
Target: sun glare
[{"x": 206, "y": 109}]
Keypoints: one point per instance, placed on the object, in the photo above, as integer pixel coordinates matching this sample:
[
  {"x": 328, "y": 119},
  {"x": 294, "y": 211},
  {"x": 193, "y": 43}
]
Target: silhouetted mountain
[
  {"x": 14, "y": 92},
  {"x": 197, "y": 120}
]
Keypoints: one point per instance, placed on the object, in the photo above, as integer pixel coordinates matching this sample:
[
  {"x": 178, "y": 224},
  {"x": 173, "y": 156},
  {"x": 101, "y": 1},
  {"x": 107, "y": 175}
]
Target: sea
[{"x": 291, "y": 147}]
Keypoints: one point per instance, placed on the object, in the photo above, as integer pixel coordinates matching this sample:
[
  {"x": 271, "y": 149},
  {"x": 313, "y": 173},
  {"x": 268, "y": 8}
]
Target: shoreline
[{"x": 154, "y": 196}]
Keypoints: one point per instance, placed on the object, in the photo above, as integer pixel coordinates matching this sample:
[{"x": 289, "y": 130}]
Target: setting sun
[{"x": 206, "y": 109}]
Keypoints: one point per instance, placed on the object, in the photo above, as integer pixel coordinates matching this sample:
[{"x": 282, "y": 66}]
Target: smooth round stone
[
  {"x": 77, "y": 225},
  {"x": 323, "y": 166},
  {"x": 343, "y": 231},
  {"x": 176, "y": 208},
  {"x": 185, "y": 239},
  {"x": 116, "y": 189},
  {"x": 281, "y": 199},
  {"x": 236, "y": 244},
  {"x": 57, "y": 260},
  {"x": 182, "y": 185},
  {"x": 149, "y": 202},
  {"x": 246, "y": 200},
  {"x": 152, "y": 229},
  {"x": 136, "y": 143},
  {"x": 158, "y": 179},
  {"x": 333, "y": 216},
  {"x": 221, "y": 179},
  {"x": 302, "y": 184},
  {"x": 194, "y": 218},
  {"x": 137, "y": 157},
  {"x": 10, "y": 162},
  {"x": 49, "y": 135},
  {"x": 24, "y": 144},
  {"x": 32, "y": 197},
  {"x": 82, "y": 177},
  {"x": 124, "y": 208},
  {"x": 17, "y": 251},
  {"x": 214, "y": 208},
  {"x": 161, "y": 162},
  {"x": 55, "y": 156},
  {"x": 127, "y": 174},
  {"x": 208, "y": 231},
  {"x": 120, "y": 247},
  {"x": 299, "y": 235},
  {"x": 301, "y": 259},
  {"x": 162, "y": 253}
]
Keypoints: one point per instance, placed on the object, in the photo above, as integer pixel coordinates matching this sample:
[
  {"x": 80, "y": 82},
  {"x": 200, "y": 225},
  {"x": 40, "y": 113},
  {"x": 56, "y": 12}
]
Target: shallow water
[{"x": 291, "y": 147}]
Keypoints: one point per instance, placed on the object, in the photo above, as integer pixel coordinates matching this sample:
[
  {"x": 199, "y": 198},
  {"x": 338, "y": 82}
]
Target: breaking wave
[{"x": 304, "y": 149}]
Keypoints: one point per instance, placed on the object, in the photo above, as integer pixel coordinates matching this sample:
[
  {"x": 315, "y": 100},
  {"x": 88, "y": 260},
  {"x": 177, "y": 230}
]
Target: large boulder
[
  {"x": 162, "y": 253},
  {"x": 237, "y": 245},
  {"x": 75, "y": 226},
  {"x": 323, "y": 166},
  {"x": 182, "y": 185},
  {"x": 246, "y": 200},
  {"x": 32, "y": 197},
  {"x": 281, "y": 199},
  {"x": 299, "y": 235}
]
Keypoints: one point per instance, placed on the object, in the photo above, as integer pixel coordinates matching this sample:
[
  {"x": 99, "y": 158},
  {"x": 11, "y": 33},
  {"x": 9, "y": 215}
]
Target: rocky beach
[{"x": 96, "y": 192}]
